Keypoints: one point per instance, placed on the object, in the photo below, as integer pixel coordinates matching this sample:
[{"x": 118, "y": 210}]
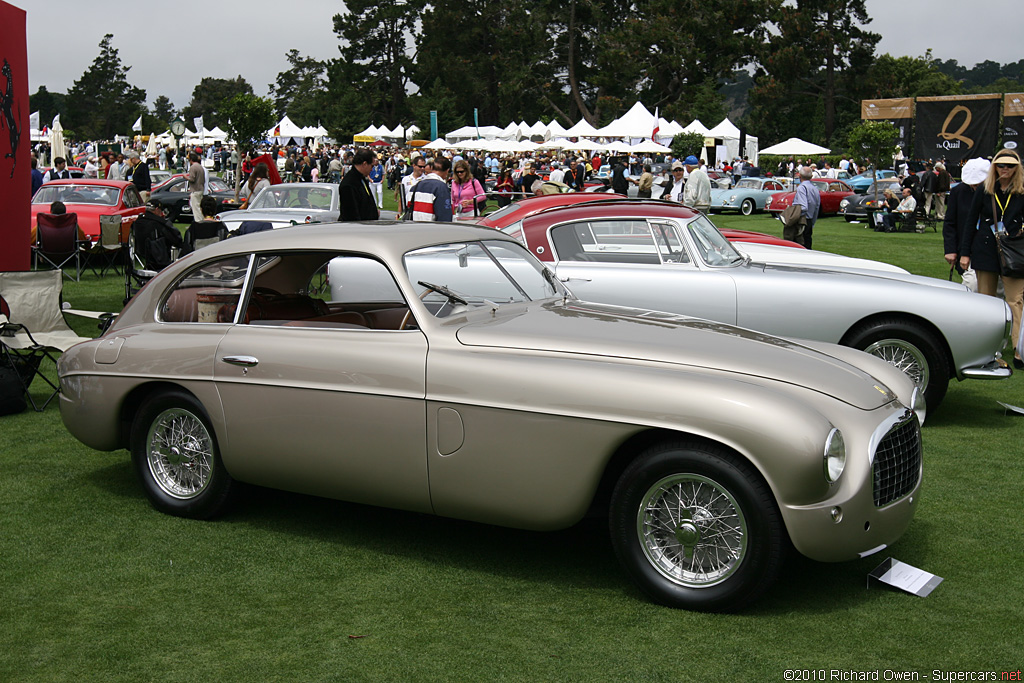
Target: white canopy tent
[
  {"x": 635, "y": 123},
  {"x": 696, "y": 126},
  {"x": 729, "y": 134},
  {"x": 582, "y": 129},
  {"x": 439, "y": 143},
  {"x": 284, "y": 129},
  {"x": 795, "y": 147}
]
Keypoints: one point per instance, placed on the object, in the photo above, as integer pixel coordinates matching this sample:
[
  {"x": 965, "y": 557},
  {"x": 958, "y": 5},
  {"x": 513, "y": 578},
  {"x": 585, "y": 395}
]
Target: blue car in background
[
  {"x": 748, "y": 195},
  {"x": 861, "y": 182}
]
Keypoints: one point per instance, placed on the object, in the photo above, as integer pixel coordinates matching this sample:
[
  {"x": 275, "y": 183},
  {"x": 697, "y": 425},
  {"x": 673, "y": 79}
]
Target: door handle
[{"x": 242, "y": 361}]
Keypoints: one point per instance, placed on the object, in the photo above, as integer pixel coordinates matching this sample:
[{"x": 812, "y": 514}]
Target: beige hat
[{"x": 1006, "y": 156}]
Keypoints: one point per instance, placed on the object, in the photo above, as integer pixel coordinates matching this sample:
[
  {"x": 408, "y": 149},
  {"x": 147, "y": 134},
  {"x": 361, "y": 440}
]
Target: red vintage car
[
  {"x": 90, "y": 199},
  {"x": 518, "y": 210},
  {"x": 832, "y": 192},
  {"x": 508, "y": 218}
]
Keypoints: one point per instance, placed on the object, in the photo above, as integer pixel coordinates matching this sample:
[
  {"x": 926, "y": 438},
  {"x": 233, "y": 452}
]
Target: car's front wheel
[
  {"x": 911, "y": 348},
  {"x": 747, "y": 207},
  {"x": 175, "y": 454},
  {"x": 696, "y": 527}
]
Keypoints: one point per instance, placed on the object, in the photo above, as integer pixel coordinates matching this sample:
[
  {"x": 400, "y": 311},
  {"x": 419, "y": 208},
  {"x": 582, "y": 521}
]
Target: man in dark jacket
[
  {"x": 154, "y": 236},
  {"x": 138, "y": 175},
  {"x": 354, "y": 193}
]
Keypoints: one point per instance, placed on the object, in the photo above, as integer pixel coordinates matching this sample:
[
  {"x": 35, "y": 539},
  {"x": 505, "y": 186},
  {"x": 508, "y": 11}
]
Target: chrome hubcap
[
  {"x": 905, "y": 356},
  {"x": 179, "y": 451},
  {"x": 692, "y": 530}
]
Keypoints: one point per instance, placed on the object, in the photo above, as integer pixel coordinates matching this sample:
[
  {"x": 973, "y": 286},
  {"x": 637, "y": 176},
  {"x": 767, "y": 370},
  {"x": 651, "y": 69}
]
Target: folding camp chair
[
  {"x": 136, "y": 275},
  {"x": 58, "y": 243},
  {"x": 32, "y": 326},
  {"x": 109, "y": 249}
]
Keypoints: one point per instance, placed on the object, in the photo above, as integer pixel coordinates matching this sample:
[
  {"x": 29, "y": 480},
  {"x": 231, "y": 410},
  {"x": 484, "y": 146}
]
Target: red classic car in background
[
  {"x": 516, "y": 212},
  {"x": 832, "y": 192},
  {"x": 90, "y": 199}
]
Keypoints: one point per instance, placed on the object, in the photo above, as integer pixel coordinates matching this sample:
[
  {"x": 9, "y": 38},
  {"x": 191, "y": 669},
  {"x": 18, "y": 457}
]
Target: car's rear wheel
[
  {"x": 747, "y": 207},
  {"x": 911, "y": 348},
  {"x": 175, "y": 454},
  {"x": 696, "y": 527}
]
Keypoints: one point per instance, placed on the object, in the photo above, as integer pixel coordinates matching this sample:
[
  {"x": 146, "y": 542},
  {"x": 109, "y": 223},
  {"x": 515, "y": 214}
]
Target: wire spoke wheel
[
  {"x": 180, "y": 453},
  {"x": 692, "y": 530},
  {"x": 905, "y": 356}
]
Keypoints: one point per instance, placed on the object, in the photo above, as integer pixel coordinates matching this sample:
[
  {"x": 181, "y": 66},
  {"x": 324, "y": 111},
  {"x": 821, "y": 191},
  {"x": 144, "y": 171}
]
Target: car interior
[{"x": 290, "y": 289}]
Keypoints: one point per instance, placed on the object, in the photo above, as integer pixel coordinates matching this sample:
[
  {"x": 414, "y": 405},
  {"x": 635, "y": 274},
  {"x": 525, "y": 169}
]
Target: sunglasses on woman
[{"x": 1005, "y": 165}]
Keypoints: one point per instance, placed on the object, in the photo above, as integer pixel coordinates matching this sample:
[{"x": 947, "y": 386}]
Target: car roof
[
  {"x": 90, "y": 181},
  {"x": 612, "y": 207},
  {"x": 391, "y": 238}
]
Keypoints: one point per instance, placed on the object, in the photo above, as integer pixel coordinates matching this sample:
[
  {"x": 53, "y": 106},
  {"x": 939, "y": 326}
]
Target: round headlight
[
  {"x": 732, "y": 198},
  {"x": 845, "y": 203},
  {"x": 835, "y": 455}
]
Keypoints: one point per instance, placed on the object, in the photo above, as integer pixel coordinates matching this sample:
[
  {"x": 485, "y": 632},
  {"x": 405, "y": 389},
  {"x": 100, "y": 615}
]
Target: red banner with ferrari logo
[{"x": 15, "y": 167}]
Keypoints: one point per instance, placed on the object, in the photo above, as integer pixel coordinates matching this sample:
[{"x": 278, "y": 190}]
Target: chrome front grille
[{"x": 897, "y": 466}]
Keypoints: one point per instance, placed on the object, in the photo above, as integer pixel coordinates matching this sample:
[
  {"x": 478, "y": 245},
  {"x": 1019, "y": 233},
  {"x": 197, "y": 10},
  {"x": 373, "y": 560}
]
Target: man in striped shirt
[{"x": 431, "y": 196}]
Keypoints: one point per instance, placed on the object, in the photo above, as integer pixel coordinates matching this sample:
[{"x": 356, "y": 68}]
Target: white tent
[
  {"x": 582, "y": 129},
  {"x": 696, "y": 126},
  {"x": 285, "y": 129},
  {"x": 439, "y": 143},
  {"x": 635, "y": 123},
  {"x": 556, "y": 130},
  {"x": 795, "y": 147},
  {"x": 649, "y": 147},
  {"x": 729, "y": 134}
]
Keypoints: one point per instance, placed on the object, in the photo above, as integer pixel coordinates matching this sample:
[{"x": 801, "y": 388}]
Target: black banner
[
  {"x": 1013, "y": 120},
  {"x": 956, "y": 127}
]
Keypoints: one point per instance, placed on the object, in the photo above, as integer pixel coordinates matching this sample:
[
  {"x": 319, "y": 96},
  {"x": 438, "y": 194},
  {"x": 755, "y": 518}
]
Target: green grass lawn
[{"x": 96, "y": 586}]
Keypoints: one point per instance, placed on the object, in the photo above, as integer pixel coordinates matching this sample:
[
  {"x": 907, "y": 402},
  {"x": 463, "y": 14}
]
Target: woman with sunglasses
[
  {"x": 466, "y": 190},
  {"x": 998, "y": 205}
]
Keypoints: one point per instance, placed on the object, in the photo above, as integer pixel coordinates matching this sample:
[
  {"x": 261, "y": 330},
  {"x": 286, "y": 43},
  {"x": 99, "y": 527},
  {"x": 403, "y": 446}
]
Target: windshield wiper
[{"x": 444, "y": 291}]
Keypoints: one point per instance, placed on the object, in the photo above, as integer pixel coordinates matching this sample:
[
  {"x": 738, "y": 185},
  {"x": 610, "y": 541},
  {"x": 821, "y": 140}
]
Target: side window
[
  {"x": 179, "y": 187},
  {"x": 207, "y": 294},
  {"x": 670, "y": 246},
  {"x": 324, "y": 289},
  {"x": 131, "y": 197},
  {"x": 772, "y": 186},
  {"x": 613, "y": 241}
]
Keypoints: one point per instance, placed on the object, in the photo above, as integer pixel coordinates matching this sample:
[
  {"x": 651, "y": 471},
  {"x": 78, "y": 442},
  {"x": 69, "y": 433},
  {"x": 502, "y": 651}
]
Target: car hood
[
  {"x": 637, "y": 334},
  {"x": 776, "y": 255}
]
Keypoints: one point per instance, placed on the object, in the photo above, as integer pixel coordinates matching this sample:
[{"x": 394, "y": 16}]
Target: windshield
[
  {"x": 712, "y": 245},
  {"x": 294, "y": 196},
  {"x": 748, "y": 184},
  {"x": 504, "y": 211},
  {"x": 77, "y": 194},
  {"x": 479, "y": 274}
]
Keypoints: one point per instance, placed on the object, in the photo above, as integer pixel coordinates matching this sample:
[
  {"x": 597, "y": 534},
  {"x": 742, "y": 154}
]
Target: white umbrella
[
  {"x": 151, "y": 150},
  {"x": 57, "y": 146},
  {"x": 650, "y": 147},
  {"x": 439, "y": 143},
  {"x": 795, "y": 146}
]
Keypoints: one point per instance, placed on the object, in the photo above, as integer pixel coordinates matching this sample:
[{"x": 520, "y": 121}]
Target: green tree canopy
[
  {"x": 102, "y": 103},
  {"x": 810, "y": 76},
  {"x": 301, "y": 91},
  {"x": 208, "y": 96}
]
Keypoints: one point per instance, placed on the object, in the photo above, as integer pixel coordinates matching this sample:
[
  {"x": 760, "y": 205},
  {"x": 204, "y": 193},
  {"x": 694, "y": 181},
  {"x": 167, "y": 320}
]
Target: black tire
[
  {"x": 175, "y": 455},
  {"x": 728, "y": 510},
  {"x": 747, "y": 207},
  {"x": 173, "y": 214},
  {"x": 909, "y": 346},
  {"x": 849, "y": 219}
]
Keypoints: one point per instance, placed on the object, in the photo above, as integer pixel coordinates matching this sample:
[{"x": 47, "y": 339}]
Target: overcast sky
[{"x": 171, "y": 46}]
